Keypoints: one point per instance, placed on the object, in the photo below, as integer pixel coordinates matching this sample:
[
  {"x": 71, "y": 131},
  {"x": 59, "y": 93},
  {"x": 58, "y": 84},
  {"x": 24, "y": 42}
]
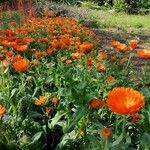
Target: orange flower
[
  {"x": 35, "y": 62},
  {"x": 100, "y": 67},
  {"x": 49, "y": 109},
  {"x": 17, "y": 57},
  {"x": 123, "y": 60},
  {"x": 54, "y": 100},
  {"x": 113, "y": 58},
  {"x": 135, "y": 118},
  {"x": 10, "y": 53},
  {"x": 114, "y": 43},
  {"x": 40, "y": 101},
  {"x": 134, "y": 43},
  {"x": 75, "y": 55},
  {"x": 105, "y": 132},
  {"x": 102, "y": 55},
  {"x": 21, "y": 48},
  {"x": 110, "y": 79},
  {"x": 90, "y": 62},
  {"x": 96, "y": 103},
  {"x": 86, "y": 46},
  {"x": 21, "y": 65},
  {"x": 122, "y": 48},
  {"x": 125, "y": 100},
  {"x": 68, "y": 61},
  {"x": 2, "y": 110},
  {"x": 143, "y": 53}
]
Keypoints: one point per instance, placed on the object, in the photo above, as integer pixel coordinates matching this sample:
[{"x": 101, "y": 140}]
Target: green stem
[
  {"x": 123, "y": 126},
  {"x": 106, "y": 144},
  {"x": 130, "y": 56}
]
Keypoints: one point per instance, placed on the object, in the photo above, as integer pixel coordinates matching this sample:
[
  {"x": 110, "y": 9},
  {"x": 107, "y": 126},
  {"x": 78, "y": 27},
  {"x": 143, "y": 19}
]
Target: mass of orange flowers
[{"x": 124, "y": 100}]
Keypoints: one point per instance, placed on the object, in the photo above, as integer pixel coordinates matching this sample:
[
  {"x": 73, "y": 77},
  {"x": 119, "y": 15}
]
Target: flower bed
[{"x": 60, "y": 90}]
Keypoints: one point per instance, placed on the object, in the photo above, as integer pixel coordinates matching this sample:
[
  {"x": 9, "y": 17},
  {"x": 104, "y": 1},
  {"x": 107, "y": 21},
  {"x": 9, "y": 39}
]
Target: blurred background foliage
[{"x": 129, "y": 6}]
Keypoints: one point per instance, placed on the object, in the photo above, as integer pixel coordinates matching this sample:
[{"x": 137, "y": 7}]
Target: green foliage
[
  {"x": 7, "y": 17},
  {"x": 120, "y": 5}
]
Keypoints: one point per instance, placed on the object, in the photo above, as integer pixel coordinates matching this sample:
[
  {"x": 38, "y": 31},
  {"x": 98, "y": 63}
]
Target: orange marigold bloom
[
  {"x": 143, "y": 53},
  {"x": 21, "y": 65},
  {"x": 86, "y": 46},
  {"x": 134, "y": 43},
  {"x": 113, "y": 58},
  {"x": 114, "y": 43},
  {"x": 135, "y": 118},
  {"x": 49, "y": 110},
  {"x": 124, "y": 100},
  {"x": 123, "y": 60},
  {"x": 96, "y": 103},
  {"x": 122, "y": 48},
  {"x": 2, "y": 110},
  {"x": 90, "y": 62},
  {"x": 68, "y": 61},
  {"x": 54, "y": 100},
  {"x": 21, "y": 48},
  {"x": 75, "y": 55},
  {"x": 17, "y": 57},
  {"x": 100, "y": 67},
  {"x": 102, "y": 55},
  {"x": 110, "y": 79},
  {"x": 40, "y": 101},
  {"x": 105, "y": 132}
]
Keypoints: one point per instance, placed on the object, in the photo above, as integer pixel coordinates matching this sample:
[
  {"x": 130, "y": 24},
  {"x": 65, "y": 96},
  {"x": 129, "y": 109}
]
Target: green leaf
[
  {"x": 79, "y": 114},
  {"x": 34, "y": 114},
  {"x": 13, "y": 92},
  {"x": 146, "y": 92},
  {"x": 145, "y": 140},
  {"x": 56, "y": 119},
  {"x": 36, "y": 137}
]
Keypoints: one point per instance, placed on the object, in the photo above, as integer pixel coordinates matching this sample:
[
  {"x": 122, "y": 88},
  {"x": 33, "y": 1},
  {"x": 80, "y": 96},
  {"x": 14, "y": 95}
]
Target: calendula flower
[
  {"x": 135, "y": 118},
  {"x": 21, "y": 48},
  {"x": 122, "y": 48},
  {"x": 49, "y": 110},
  {"x": 114, "y": 43},
  {"x": 95, "y": 103},
  {"x": 123, "y": 60},
  {"x": 100, "y": 67},
  {"x": 17, "y": 57},
  {"x": 86, "y": 46},
  {"x": 105, "y": 132},
  {"x": 54, "y": 100},
  {"x": 134, "y": 43},
  {"x": 21, "y": 65},
  {"x": 68, "y": 61},
  {"x": 102, "y": 55},
  {"x": 143, "y": 53},
  {"x": 40, "y": 101},
  {"x": 113, "y": 58},
  {"x": 124, "y": 100},
  {"x": 2, "y": 110},
  {"x": 90, "y": 62},
  {"x": 110, "y": 79}
]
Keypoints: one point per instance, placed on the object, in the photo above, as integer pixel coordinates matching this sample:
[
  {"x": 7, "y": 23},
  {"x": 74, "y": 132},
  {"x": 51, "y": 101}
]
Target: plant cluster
[{"x": 61, "y": 90}]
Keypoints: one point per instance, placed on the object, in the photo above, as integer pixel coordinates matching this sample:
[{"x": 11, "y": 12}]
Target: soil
[{"x": 111, "y": 34}]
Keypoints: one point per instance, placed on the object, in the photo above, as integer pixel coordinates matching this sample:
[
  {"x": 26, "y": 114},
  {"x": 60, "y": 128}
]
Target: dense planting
[{"x": 61, "y": 90}]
